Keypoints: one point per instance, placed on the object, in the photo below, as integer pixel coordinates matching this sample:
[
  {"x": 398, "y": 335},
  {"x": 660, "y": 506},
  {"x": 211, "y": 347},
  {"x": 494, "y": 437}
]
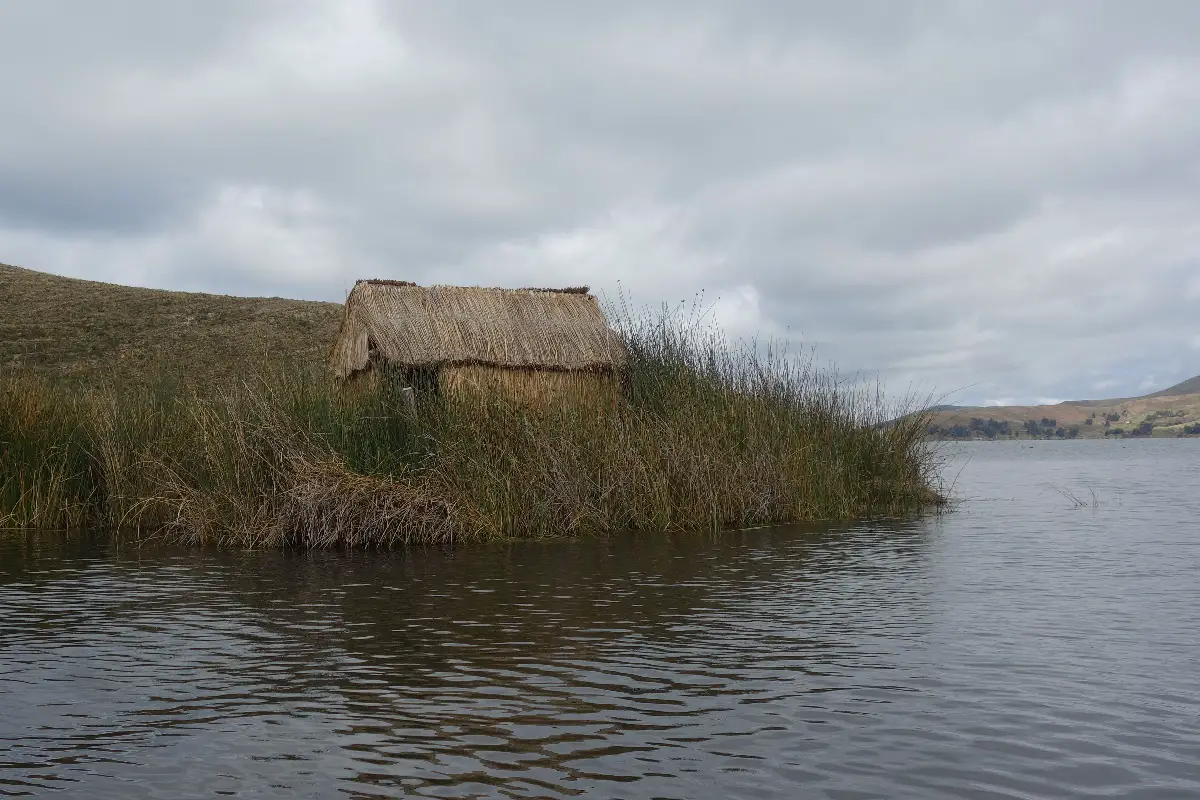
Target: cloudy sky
[{"x": 999, "y": 201}]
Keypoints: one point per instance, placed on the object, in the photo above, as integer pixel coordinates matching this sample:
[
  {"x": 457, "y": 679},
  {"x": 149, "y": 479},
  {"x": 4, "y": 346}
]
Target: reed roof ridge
[{"x": 392, "y": 282}]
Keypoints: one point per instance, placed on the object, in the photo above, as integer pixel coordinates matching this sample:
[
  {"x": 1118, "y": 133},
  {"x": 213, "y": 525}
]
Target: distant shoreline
[
  {"x": 1057, "y": 439},
  {"x": 1171, "y": 413}
]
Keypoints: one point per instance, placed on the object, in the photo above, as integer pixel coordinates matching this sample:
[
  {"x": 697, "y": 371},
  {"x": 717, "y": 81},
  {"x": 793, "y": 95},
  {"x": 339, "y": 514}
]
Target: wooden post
[{"x": 410, "y": 401}]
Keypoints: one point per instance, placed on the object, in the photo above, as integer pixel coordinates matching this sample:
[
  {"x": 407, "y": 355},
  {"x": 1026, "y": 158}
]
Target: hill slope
[
  {"x": 1169, "y": 412},
  {"x": 89, "y": 331},
  {"x": 1190, "y": 386}
]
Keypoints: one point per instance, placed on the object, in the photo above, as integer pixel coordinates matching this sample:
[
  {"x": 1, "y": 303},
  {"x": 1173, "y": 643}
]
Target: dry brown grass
[
  {"x": 93, "y": 333},
  {"x": 422, "y": 326},
  {"x": 1168, "y": 414},
  {"x": 288, "y": 461},
  {"x": 537, "y": 388},
  {"x": 702, "y": 436}
]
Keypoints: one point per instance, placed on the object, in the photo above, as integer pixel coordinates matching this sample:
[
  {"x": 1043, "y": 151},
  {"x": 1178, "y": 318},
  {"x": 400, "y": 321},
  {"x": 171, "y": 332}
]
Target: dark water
[{"x": 1019, "y": 647}]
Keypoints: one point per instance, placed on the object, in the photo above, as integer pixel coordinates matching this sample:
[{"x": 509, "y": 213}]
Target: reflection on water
[{"x": 1015, "y": 648}]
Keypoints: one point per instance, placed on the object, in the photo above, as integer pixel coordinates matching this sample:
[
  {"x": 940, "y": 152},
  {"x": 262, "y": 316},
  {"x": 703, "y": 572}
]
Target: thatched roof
[{"x": 410, "y": 325}]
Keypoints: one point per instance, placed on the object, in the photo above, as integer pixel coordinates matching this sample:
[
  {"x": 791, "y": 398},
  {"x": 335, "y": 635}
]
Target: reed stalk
[{"x": 705, "y": 435}]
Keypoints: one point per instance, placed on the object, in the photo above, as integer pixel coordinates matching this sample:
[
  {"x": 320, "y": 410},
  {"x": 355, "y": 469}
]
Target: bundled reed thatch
[
  {"x": 701, "y": 437},
  {"x": 476, "y": 338}
]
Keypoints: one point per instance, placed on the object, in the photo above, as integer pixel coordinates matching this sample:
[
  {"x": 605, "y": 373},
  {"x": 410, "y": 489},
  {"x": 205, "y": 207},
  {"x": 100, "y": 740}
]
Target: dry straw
[
  {"x": 696, "y": 434},
  {"x": 437, "y": 326}
]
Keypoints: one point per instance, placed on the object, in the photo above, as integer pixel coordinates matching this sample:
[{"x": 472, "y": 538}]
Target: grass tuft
[{"x": 705, "y": 436}]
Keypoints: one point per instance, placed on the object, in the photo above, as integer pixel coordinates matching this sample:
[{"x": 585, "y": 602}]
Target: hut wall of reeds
[{"x": 533, "y": 345}]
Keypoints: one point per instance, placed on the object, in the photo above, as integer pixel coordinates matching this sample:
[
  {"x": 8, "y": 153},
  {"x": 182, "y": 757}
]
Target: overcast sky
[{"x": 998, "y": 200}]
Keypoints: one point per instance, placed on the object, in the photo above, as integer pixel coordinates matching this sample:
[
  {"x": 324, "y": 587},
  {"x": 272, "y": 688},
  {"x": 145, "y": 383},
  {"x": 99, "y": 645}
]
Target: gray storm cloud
[{"x": 994, "y": 198}]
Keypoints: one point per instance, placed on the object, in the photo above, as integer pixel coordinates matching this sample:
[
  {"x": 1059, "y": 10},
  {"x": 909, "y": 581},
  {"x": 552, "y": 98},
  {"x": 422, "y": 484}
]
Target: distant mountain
[
  {"x": 1190, "y": 386},
  {"x": 1171, "y": 412}
]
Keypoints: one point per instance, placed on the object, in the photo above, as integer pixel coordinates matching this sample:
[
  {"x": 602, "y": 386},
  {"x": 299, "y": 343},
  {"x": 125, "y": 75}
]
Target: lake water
[{"x": 1022, "y": 646}]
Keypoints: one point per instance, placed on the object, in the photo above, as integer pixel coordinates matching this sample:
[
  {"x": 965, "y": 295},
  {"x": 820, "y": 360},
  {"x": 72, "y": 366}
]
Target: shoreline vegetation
[
  {"x": 704, "y": 436},
  {"x": 1169, "y": 413},
  {"x": 1112, "y": 425}
]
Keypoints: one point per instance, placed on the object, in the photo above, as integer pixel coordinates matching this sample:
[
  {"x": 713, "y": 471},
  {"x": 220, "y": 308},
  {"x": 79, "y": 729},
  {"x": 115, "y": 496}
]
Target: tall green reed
[
  {"x": 47, "y": 479},
  {"x": 706, "y": 435}
]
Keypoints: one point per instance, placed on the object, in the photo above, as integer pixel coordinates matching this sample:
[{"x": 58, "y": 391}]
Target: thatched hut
[{"x": 534, "y": 345}]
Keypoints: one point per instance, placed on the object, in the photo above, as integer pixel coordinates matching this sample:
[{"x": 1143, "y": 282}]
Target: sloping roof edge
[
  {"x": 523, "y": 329},
  {"x": 394, "y": 282}
]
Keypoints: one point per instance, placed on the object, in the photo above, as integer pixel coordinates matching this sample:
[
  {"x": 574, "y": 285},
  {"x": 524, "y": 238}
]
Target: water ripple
[{"x": 1013, "y": 649}]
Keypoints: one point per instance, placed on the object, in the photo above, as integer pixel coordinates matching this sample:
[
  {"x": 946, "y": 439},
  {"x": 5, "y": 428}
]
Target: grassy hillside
[
  {"x": 1166, "y": 413},
  {"x": 704, "y": 436},
  {"x": 1190, "y": 386},
  {"x": 89, "y": 331}
]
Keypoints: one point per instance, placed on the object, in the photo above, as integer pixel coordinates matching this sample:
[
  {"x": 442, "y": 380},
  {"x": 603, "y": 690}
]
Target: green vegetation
[
  {"x": 704, "y": 437},
  {"x": 1169, "y": 412},
  {"x": 989, "y": 428},
  {"x": 1144, "y": 429},
  {"x": 1155, "y": 422}
]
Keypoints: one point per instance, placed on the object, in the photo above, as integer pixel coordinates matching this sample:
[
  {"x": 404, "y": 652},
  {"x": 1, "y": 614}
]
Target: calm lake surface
[{"x": 1020, "y": 646}]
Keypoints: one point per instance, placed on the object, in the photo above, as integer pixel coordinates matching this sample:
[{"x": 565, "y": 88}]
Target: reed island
[{"x": 422, "y": 415}]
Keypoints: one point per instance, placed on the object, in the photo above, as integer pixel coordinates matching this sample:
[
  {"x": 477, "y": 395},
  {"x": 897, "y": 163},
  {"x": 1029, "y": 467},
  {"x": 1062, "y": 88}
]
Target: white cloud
[
  {"x": 252, "y": 236},
  {"x": 739, "y": 312},
  {"x": 996, "y": 200},
  {"x": 136, "y": 261},
  {"x": 317, "y": 53},
  {"x": 276, "y": 236},
  {"x": 643, "y": 248}
]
